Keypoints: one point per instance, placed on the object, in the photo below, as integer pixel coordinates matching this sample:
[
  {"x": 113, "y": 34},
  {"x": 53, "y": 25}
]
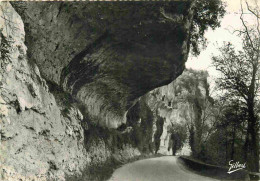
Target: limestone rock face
[
  {"x": 36, "y": 139},
  {"x": 106, "y": 55},
  {"x": 66, "y": 65},
  {"x": 41, "y": 137},
  {"x": 179, "y": 102}
]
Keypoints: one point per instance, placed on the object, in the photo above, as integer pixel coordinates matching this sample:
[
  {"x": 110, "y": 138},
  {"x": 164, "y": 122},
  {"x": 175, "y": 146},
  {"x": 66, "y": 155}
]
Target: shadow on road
[{"x": 212, "y": 170}]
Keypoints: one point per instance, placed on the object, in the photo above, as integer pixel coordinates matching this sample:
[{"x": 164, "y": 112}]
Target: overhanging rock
[{"x": 106, "y": 55}]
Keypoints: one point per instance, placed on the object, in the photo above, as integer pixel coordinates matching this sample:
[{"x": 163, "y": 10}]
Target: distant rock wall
[{"x": 176, "y": 103}]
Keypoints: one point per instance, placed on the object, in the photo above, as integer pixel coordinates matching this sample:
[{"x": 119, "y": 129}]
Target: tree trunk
[
  {"x": 254, "y": 141},
  {"x": 226, "y": 144},
  {"x": 246, "y": 143},
  {"x": 255, "y": 149},
  {"x": 192, "y": 141},
  {"x": 233, "y": 142},
  {"x": 253, "y": 126}
]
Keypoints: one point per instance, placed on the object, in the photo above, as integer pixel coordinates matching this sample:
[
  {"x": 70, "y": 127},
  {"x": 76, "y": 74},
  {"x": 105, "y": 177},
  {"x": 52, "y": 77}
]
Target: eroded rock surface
[
  {"x": 42, "y": 138},
  {"x": 185, "y": 101},
  {"x": 36, "y": 139},
  {"x": 158, "y": 116},
  {"x": 67, "y": 68},
  {"x": 108, "y": 54}
]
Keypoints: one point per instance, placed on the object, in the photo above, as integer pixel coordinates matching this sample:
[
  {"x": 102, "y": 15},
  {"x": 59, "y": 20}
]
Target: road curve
[{"x": 166, "y": 168}]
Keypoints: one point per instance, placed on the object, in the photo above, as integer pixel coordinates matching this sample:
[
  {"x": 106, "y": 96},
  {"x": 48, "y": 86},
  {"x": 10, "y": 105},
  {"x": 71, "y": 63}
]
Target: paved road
[{"x": 166, "y": 168}]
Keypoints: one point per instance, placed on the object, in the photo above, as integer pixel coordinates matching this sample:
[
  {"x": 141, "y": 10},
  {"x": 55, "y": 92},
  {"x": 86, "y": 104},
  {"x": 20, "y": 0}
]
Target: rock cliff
[
  {"x": 43, "y": 134},
  {"x": 36, "y": 138},
  {"x": 72, "y": 71},
  {"x": 183, "y": 102},
  {"x": 107, "y": 54}
]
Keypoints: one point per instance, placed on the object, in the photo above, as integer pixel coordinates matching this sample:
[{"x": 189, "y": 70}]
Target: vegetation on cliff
[{"x": 207, "y": 14}]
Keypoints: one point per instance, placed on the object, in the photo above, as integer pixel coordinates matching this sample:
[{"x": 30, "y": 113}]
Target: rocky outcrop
[
  {"x": 106, "y": 55},
  {"x": 36, "y": 138},
  {"x": 43, "y": 137},
  {"x": 182, "y": 102}
]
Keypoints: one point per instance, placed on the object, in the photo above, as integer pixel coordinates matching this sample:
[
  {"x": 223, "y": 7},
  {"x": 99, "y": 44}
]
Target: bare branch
[
  {"x": 246, "y": 28},
  {"x": 256, "y": 15}
]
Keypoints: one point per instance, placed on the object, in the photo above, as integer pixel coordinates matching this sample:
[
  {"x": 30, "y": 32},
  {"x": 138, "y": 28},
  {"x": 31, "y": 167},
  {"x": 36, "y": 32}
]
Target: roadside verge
[{"x": 214, "y": 171}]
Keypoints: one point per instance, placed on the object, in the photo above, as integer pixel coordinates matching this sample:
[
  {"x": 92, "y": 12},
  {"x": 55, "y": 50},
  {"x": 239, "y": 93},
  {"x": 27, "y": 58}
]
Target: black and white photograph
[{"x": 117, "y": 90}]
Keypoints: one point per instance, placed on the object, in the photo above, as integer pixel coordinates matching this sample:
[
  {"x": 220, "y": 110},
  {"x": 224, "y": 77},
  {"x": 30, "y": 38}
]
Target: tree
[
  {"x": 239, "y": 77},
  {"x": 197, "y": 110},
  {"x": 178, "y": 136},
  {"x": 207, "y": 14},
  {"x": 233, "y": 119}
]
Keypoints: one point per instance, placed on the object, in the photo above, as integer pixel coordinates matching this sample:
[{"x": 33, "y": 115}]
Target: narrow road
[{"x": 166, "y": 168}]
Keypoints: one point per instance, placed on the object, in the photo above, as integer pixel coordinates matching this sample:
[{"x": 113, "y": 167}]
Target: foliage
[
  {"x": 198, "y": 109},
  {"x": 190, "y": 80},
  {"x": 207, "y": 14},
  {"x": 178, "y": 136},
  {"x": 158, "y": 133},
  {"x": 240, "y": 80},
  {"x": 236, "y": 71},
  {"x": 226, "y": 142}
]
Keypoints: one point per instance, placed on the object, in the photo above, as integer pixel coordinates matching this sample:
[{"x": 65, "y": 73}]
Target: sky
[{"x": 229, "y": 23}]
